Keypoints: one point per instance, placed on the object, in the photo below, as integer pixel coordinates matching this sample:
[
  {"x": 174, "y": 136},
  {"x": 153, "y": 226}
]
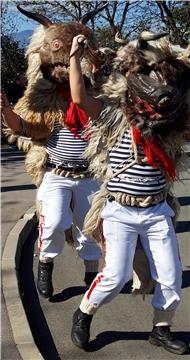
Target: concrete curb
[{"x": 10, "y": 265}]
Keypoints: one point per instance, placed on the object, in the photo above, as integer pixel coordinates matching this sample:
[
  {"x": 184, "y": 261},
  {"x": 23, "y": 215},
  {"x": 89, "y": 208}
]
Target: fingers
[
  {"x": 82, "y": 41},
  {"x": 79, "y": 38},
  {"x": 4, "y": 102},
  {"x": 78, "y": 45}
]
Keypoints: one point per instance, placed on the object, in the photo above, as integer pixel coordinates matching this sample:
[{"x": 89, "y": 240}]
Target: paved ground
[
  {"x": 17, "y": 195},
  {"x": 120, "y": 329}
]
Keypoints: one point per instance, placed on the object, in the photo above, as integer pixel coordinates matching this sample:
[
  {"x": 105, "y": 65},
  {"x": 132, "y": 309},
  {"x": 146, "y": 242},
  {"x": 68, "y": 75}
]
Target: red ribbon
[
  {"x": 156, "y": 156},
  {"x": 76, "y": 118}
]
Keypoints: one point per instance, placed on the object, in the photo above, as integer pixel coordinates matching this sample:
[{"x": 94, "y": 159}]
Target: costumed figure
[
  {"x": 49, "y": 127},
  {"x": 136, "y": 137}
]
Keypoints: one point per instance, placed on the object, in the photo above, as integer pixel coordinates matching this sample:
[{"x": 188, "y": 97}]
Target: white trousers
[
  {"x": 121, "y": 226},
  {"x": 64, "y": 203}
]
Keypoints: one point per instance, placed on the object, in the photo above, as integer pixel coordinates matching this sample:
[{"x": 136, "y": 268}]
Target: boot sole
[
  {"x": 159, "y": 343},
  {"x": 45, "y": 296}
]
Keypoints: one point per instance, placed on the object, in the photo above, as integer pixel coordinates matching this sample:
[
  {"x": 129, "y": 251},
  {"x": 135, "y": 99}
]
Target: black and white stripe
[
  {"x": 140, "y": 179},
  {"x": 64, "y": 146}
]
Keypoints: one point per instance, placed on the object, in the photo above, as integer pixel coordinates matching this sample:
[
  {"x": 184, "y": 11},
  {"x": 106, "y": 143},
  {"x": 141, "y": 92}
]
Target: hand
[
  {"x": 4, "y": 102},
  {"x": 78, "y": 45}
]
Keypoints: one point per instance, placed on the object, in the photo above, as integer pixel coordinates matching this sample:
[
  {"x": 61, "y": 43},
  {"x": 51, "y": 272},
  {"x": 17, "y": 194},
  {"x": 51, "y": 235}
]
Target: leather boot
[
  {"x": 89, "y": 277},
  {"x": 44, "y": 281},
  {"x": 161, "y": 336},
  {"x": 80, "y": 333}
]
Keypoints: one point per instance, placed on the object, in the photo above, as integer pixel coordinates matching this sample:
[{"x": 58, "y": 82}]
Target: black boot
[
  {"x": 80, "y": 333},
  {"x": 161, "y": 336},
  {"x": 89, "y": 277},
  {"x": 44, "y": 281}
]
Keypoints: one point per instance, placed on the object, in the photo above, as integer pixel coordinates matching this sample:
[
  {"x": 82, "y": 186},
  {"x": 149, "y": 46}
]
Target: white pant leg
[
  {"x": 119, "y": 247},
  {"x": 83, "y": 192},
  {"x": 65, "y": 202},
  {"x": 160, "y": 244},
  {"x": 54, "y": 194}
]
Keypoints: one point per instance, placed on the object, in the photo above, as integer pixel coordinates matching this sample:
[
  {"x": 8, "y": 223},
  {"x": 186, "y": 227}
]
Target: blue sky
[{"x": 19, "y": 21}]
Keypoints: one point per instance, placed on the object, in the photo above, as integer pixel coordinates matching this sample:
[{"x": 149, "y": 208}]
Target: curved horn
[
  {"x": 37, "y": 17},
  {"x": 120, "y": 40},
  {"x": 85, "y": 18},
  {"x": 148, "y": 36}
]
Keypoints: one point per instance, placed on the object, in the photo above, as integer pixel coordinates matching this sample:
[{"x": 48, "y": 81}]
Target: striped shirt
[
  {"x": 140, "y": 179},
  {"x": 64, "y": 146}
]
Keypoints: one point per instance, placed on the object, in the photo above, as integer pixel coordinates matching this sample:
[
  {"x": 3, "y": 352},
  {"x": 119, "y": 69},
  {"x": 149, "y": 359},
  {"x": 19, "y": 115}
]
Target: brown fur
[{"x": 35, "y": 163}]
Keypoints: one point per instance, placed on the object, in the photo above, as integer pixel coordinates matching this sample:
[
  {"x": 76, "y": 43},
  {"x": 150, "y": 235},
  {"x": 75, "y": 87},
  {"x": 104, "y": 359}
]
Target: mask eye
[{"x": 56, "y": 44}]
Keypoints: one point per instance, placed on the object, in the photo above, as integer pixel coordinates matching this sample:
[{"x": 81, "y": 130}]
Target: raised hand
[{"x": 78, "y": 45}]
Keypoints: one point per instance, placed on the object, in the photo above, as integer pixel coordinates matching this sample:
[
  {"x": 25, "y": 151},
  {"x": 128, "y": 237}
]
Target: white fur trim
[
  {"x": 45, "y": 259},
  {"x": 86, "y": 307}
]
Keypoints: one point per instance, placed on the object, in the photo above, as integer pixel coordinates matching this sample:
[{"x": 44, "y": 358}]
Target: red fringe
[{"x": 155, "y": 154}]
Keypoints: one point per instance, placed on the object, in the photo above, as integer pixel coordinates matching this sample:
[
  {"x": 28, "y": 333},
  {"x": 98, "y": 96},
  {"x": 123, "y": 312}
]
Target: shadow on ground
[
  {"x": 107, "y": 337},
  {"x": 39, "y": 327}
]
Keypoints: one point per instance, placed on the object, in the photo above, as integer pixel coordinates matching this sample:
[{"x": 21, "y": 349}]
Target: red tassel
[{"x": 156, "y": 156}]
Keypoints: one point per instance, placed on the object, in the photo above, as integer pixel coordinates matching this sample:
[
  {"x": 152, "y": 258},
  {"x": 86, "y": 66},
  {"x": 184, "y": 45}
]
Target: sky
[{"x": 21, "y": 22}]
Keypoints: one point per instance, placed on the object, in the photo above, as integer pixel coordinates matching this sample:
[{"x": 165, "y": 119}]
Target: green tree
[
  {"x": 12, "y": 56},
  {"x": 175, "y": 16},
  {"x": 12, "y": 60},
  {"x": 129, "y": 17}
]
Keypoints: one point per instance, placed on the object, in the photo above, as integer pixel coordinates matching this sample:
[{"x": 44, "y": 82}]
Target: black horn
[
  {"x": 85, "y": 18},
  {"x": 37, "y": 17},
  {"x": 148, "y": 36}
]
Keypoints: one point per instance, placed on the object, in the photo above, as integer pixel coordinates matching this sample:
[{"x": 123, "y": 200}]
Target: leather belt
[{"x": 69, "y": 166}]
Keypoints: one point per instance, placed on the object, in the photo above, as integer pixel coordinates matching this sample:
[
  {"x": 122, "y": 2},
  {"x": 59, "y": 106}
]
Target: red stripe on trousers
[
  {"x": 99, "y": 277},
  {"x": 42, "y": 222},
  {"x": 95, "y": 282}
]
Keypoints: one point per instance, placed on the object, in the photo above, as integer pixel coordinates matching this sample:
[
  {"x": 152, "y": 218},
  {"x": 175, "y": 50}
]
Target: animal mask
[{"x": 150, "y": 82}]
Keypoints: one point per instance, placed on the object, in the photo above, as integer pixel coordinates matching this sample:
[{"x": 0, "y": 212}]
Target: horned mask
[
  {"x": 52, "y": 43},
  {"x": 151, "y": 81}
]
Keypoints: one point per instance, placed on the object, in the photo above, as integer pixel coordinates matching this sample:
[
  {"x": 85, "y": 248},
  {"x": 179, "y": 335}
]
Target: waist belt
[
  {"x": 69, "y": 166},
  {"x": 140, "y": 202}
]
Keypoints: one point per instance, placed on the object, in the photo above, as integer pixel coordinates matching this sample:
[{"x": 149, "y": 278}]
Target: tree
[
  {"x": 12, "y": 57},
  {"x": 176, "y": 17},
  {"x": 12, "y": 60},
  {"x": 127, "y": 17}
]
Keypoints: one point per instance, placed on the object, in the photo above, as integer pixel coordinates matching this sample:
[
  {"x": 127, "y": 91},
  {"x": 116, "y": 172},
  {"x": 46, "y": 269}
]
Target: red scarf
[
  {"x": 76, "y": 118},
  {"x": 155, "y": 154}
]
